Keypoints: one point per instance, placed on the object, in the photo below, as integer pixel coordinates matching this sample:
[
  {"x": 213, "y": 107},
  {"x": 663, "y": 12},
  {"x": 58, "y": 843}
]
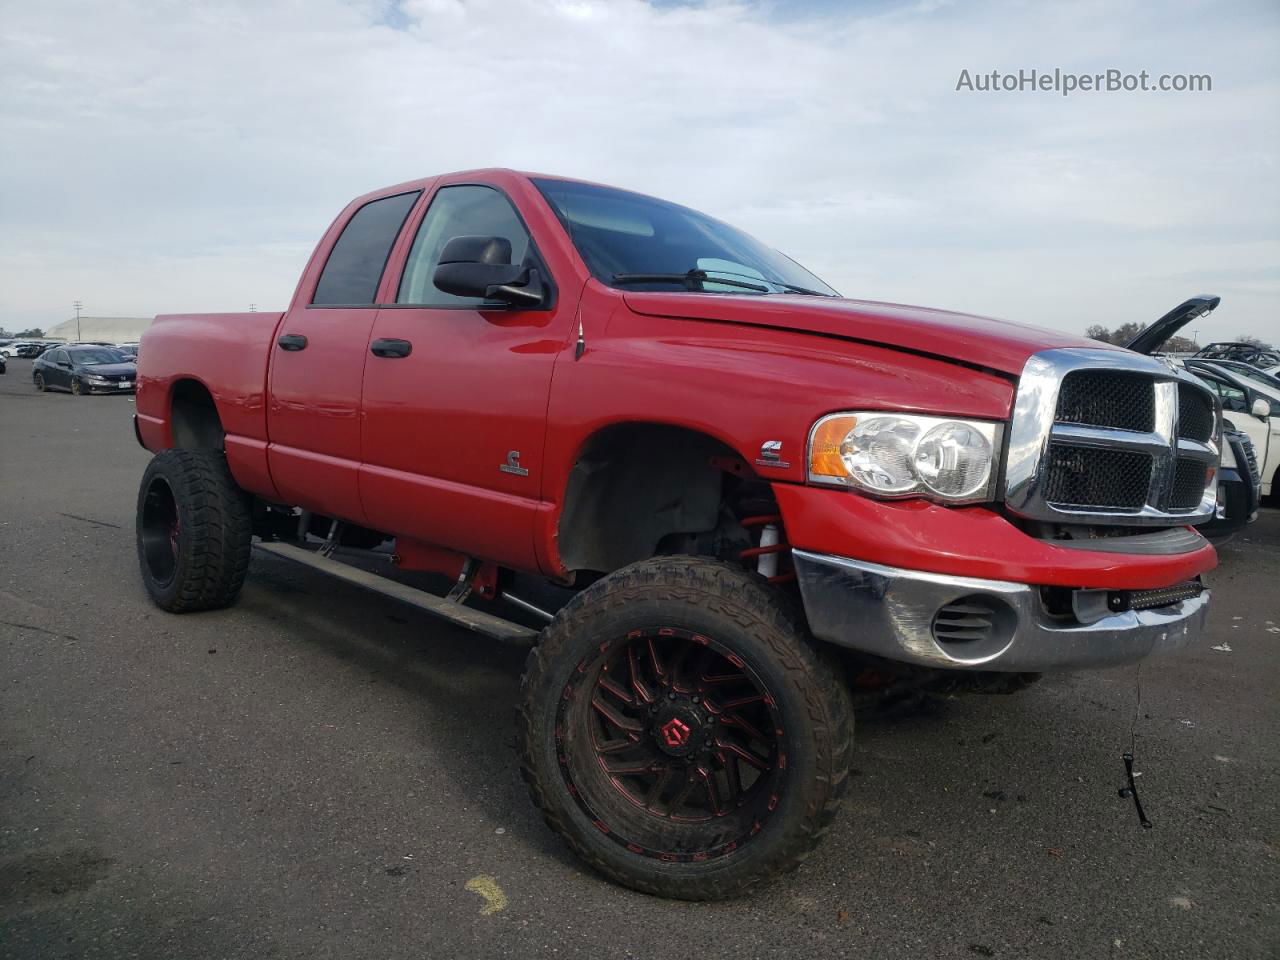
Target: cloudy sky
[{"x": 174, "y": 156}]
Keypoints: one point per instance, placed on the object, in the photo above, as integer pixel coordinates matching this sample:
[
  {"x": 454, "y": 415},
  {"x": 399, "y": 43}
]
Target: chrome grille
[
  {"x": 1196, "y": 414},
  {"x": 1110, "y": 437},
  {"x": 1189, "y": 478},
  {"x": 1102, "y": 398},
  {"x": 1093, "y": 477}
]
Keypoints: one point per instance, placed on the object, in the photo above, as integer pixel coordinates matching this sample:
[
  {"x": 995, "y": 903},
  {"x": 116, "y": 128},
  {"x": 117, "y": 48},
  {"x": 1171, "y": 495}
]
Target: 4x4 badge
[{"x": 513, "y": 464}]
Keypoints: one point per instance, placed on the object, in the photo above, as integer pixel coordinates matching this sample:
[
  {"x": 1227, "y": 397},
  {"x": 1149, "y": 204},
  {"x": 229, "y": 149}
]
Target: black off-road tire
[
  {"x": 752, "y": 626},
  {"x": 194, "y": 531},
  {"x": 39, "y": 381}
]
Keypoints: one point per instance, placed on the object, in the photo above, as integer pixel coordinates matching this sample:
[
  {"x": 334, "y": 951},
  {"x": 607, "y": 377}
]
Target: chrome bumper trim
[{"x": 888, "y": 612}]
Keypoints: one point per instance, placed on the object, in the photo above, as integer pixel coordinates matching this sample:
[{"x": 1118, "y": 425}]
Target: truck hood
[
  {"x": 958, "y": 337},
  {"x": 1154, "y": 336}
]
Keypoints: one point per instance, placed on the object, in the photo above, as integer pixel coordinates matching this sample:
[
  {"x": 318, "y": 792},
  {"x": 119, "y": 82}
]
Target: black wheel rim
[
  {"x": 672, "y": 745},
  {"x": 161, "y": 529}
]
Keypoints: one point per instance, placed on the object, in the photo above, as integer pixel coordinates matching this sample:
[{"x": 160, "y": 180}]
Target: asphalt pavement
[{"x": 320, "y": 773}]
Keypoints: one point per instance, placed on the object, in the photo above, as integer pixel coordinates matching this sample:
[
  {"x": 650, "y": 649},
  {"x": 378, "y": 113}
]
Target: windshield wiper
[
  {"x": 792, "y": 288},
  {"x": 688, "y": 279}
]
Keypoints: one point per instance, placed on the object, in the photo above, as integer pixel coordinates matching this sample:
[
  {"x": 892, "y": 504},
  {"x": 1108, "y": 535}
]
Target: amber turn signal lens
[{"x": 824, "y": 447}]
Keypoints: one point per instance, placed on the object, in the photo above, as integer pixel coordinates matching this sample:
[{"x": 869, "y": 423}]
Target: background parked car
[
  {"x": 1265, "y": 380},
  {"x": 1251, "y": 411},
  {"x": 1250, "y": 353},
  {"x": 1239, "y": 484},
  {"x": 84, "y": 370}
]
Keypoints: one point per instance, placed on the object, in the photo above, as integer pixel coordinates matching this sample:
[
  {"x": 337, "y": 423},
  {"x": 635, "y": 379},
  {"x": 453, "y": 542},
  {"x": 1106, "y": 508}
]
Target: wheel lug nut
[
  {"x": 671, "y": 696},
  {"x": 697, "y": 699}
]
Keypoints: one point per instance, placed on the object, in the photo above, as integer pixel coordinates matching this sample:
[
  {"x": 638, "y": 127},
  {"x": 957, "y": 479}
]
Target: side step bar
[{"x": 476, "y": 620}]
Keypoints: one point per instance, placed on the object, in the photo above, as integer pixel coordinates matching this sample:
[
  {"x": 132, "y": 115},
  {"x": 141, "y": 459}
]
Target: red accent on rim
[{"x": 675, "y": 732}]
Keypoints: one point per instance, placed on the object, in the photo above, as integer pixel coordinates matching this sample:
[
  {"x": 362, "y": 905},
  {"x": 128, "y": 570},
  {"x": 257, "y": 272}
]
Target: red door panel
[
  {"x": 313, "y": 418},
  {"x": 440, "y": 427}
]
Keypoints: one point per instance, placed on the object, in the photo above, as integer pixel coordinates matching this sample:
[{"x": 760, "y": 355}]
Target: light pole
[
  {"x": 1195, "y": 338},
  {"x": 78, "y": 305}
]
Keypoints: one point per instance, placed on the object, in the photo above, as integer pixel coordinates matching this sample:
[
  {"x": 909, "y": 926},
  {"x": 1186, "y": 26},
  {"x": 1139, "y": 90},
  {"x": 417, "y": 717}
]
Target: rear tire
[
  {"x": 653, "y": 681},
  {"x": 194, "y": 531}
]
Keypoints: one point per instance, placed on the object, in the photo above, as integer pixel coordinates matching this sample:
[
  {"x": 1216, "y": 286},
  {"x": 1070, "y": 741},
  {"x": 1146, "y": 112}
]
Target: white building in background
[{"x": 113, "y": 329}]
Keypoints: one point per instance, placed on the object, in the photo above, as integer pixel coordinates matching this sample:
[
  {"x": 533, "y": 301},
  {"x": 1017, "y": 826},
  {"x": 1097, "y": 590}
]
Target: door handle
[
  {"x": 292, "y": 341},
  {"x": 391, "y": 349}
]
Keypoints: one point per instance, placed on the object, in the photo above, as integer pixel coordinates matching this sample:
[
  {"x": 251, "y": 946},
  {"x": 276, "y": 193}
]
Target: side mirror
[
  {"x": 482, "y": 267},
  {"x": 1261, "y": 408}
]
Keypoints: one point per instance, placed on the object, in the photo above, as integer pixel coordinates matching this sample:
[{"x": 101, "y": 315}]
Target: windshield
[
  {"x": 91, "y": 358},
  {"x": 648, "y": 244}
]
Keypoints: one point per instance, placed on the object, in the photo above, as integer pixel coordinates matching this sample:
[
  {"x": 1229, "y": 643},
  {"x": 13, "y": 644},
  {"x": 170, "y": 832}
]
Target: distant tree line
[
  {"x": 1124, "y": 333},
  {"x": 29, "y": 332}
]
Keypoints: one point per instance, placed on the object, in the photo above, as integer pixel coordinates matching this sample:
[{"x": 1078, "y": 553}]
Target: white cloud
[{"x": 185, "y": 156}]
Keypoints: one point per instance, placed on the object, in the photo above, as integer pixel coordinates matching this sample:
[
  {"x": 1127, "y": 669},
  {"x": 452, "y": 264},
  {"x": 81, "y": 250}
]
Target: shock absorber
[
  {"x": 772, "y": 544},
  {"x": 767, "y": 564}
]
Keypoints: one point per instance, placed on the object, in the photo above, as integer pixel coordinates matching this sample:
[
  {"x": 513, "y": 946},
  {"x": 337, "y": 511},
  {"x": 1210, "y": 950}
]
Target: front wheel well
[
  {"x": 194, "y": 417},
  {"x": 638, "y": 490}
]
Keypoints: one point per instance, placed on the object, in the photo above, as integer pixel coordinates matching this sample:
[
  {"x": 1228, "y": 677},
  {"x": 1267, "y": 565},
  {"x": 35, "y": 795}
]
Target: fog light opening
[{"x": 974, "y": 624}]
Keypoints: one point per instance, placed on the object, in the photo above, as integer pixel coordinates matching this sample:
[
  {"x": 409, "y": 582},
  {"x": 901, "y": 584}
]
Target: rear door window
[{"x": 354, "y": 268}]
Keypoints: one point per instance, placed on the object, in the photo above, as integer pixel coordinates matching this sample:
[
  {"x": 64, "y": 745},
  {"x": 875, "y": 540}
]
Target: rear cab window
[{"x": 354, "y": 269}]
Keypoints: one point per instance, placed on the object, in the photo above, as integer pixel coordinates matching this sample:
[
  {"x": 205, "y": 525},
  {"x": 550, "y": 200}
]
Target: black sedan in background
[{"x": 84, "y": 370}]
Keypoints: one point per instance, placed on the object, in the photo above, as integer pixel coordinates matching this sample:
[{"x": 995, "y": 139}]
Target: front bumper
[{"x": 890, "y": 612}]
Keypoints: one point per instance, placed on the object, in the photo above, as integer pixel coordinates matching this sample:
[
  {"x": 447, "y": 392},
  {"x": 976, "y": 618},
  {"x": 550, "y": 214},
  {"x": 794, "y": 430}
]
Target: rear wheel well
[
  {"x": 638, "y": 490},
  {"x": 194, "y": 417}
]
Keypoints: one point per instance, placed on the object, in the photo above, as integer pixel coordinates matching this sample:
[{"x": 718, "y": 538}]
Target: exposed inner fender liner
[
  {"x": 966, "y": 542},
  {"x": 618, "y": 507}
]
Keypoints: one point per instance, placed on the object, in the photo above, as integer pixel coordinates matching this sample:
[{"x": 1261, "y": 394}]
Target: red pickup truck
[{"x": 758, "y": 497}]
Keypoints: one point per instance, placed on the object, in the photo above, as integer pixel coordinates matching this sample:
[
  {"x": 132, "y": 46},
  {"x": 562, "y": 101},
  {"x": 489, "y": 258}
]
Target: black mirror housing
[{"x": 482, "y": 267}]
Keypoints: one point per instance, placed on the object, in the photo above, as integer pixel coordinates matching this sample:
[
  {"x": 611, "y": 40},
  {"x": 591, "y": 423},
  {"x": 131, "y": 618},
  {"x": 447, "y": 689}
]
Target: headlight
[{"x": 903, "y": 455}]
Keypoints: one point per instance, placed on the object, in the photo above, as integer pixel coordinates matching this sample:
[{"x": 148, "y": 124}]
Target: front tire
[
  {"x": 194, "y": 531},
  {"x": 77, "y": 388},
  {"x": 681, "y": 732},
  {"x": 39, "y": 379}
]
